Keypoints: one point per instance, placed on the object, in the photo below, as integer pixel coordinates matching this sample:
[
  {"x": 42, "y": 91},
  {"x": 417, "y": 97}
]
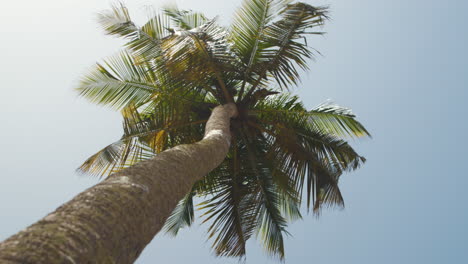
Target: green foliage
[{"x": 181, "y": 64}]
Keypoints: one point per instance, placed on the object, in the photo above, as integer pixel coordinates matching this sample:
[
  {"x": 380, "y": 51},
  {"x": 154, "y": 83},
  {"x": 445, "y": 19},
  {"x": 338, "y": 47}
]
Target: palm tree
[{"x": 206, "y": 113}]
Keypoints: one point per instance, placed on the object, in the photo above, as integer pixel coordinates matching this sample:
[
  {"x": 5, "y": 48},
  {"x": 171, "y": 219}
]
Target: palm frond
[
  {"x": 289, "y": 198},
  {"x": 248, "y": 25},
  {"x": 270, "y": 222},
  {"x": 181, "y": 216},
  {"x": 185, "y": 19},
  {"x": 265, "y": 196},
  {"x": 157, "y": 27},
  {"x": 143, "y": 42},
  {"x": 123, "y": 153},
  {"x": 116, "y": 157},
  {"x": 311, "y": 156},
  {"x": 200, "y": 56},
  {"x": 117, "y": 21},
  {"x": 169, "y": 123},
  {"x": 337, "y": 120},
  {"x": 327, "y": 193},
  {"x": 230, "y": 212},
  {"x": 234, "y": 208},
  {"x": 118, "y": 81},
  {"x": 327, "y": 118},
  {"x": 285, "y": 45},
  {"x": 104, "y": 161}
]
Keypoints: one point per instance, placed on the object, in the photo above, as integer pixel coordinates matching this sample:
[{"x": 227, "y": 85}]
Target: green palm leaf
[
  {"x": 305, "y": 151},
  {"x": 232, "y": 208},
  {"x": 115, "y": 157},
  {"x": 270, "y": 222},
  {"x": 145, "y": 135},
  {"x": 116, "y": 21},
  {"x": 246, "y": 33},
  {"x": 248, "y": 26},
  {"x": 230, "y": 212},
  {"x": 143, "y": 42},
  {"x": 185, "y": 19},
  {"x": 285, "y": 42},
  {"x": 118, "y": 81},
  {"x": 200, "y": 55},
  {"x": 182, "y": 216},
  {"x": 336, "y": 120},
  {"x": 327, "y": 118}
]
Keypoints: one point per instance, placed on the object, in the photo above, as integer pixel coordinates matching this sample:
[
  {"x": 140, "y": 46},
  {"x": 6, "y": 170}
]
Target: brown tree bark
[{"x": 114, "y": 220}]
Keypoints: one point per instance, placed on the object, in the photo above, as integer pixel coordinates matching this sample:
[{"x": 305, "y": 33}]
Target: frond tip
[
  {"x": 117, "y": 21},
  {"x": 340, "y": 121},
  {"x": 182, "y": 216}
]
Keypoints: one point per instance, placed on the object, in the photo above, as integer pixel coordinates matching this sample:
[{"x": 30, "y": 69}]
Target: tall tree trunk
[{"x": 114, "y": 220}]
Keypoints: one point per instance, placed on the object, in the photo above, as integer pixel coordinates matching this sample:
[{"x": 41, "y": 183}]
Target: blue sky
[{"x": 400, "y": 65}]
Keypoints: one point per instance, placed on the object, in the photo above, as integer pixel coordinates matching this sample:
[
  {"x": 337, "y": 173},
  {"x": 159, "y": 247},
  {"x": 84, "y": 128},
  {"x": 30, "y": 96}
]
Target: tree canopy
[{"x": 179, "y": 65}]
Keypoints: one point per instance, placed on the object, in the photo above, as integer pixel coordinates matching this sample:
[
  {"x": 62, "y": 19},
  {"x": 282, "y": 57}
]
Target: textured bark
[{"x": 114, "y": 220}]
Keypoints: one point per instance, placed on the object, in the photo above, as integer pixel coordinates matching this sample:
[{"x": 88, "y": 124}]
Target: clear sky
[{"x": 401, "y": 65}]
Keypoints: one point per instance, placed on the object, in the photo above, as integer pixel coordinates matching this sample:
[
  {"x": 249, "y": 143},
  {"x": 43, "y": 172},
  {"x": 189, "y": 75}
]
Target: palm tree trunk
[{"x": 114, "y": 220}]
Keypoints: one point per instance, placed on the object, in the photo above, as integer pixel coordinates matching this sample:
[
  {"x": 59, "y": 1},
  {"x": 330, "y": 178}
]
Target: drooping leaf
[
  {"x": 182, "y": 215},
  {"x": 304, "y": 151},
  {"x": 146, "y": 135}
]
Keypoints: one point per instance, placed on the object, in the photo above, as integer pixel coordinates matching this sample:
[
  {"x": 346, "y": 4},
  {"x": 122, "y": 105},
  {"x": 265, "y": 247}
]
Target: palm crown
[{"x": 178, "y": 66}]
